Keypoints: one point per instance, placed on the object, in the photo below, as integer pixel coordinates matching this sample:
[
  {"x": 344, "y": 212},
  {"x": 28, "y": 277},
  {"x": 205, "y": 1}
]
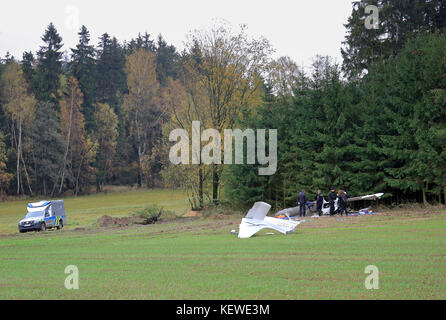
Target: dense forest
[{"x": 73, "y": 121}]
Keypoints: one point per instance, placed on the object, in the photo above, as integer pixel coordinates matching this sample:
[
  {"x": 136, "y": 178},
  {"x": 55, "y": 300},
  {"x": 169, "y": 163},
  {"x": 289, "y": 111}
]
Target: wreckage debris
[
  {"x": 292, "y": 213},
  {"x": 256, "y": 220}
]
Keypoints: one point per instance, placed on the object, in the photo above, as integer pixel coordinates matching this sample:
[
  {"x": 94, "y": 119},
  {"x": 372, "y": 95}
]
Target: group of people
[{"x": 341, "y": 196}]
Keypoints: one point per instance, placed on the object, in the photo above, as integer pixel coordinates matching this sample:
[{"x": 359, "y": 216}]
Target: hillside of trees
[{"x": 75, "y": 120}]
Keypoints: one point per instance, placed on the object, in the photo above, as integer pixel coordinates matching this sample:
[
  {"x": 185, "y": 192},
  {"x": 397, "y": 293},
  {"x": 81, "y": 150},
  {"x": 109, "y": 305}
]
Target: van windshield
[{"x": 34, "y": 214}]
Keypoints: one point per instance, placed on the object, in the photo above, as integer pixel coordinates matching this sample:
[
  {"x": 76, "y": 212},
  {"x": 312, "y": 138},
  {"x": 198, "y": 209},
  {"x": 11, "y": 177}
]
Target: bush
[{"x": 152, "y": 214}]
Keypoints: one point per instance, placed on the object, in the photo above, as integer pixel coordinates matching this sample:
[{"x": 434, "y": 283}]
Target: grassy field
[
  {"x": 199, "y": 259},
  {"x": 85, "y": 210}
]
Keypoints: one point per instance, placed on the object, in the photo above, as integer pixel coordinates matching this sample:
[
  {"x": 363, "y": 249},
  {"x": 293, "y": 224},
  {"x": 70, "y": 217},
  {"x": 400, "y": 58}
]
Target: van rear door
[{"x": 57, "y": 212}]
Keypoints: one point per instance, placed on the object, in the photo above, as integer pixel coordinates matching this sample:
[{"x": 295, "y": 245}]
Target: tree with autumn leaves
[
  {"x": 19, "y": 108},
  {"x": 141, "y": 107},
  {"x": 79, "y": 150},
  {"x": 106, "y": 140},
  {"x": 221, "y": 77}
]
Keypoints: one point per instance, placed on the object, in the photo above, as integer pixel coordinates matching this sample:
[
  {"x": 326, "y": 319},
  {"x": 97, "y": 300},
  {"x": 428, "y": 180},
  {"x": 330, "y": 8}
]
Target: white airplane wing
[
  {"x": 367, "y": 197},
  {"x": 257, "y": 220}
]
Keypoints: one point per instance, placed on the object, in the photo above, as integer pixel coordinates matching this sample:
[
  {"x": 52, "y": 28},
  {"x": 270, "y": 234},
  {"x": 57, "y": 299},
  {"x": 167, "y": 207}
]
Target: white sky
[{"x": 296, "y": 28}]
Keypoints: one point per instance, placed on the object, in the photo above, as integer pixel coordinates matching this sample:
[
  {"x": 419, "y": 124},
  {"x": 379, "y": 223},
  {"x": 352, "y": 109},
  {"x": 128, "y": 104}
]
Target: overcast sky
[{"x": 296, "y": 28}]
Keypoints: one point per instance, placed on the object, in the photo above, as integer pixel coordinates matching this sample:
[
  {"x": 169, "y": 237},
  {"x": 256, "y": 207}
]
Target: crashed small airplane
[
  {"x": 291, "y": 212},
  {"x": 257, "y": 220}
]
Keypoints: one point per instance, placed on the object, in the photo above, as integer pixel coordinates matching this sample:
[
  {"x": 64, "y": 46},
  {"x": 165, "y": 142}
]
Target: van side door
[{"x": 49, "y": 218}]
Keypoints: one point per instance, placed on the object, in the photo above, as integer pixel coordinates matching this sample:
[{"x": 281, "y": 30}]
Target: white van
[{"x": 44, "y": 215}]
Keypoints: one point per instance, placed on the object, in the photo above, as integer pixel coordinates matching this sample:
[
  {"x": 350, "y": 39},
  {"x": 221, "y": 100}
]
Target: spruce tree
[
  {"x": 407, "y": 99},
  {"x": 28, "y": 67},
  {"x": 334, "y": 133},
  {"x": 83, "y": 67},
  {"x": 49, "y": 67},
  {"x": 111, "y": 78},
  {"x": 140, "y": 42},
  {"x": 47, "y": 149},
  {"x": 398, "y": 22},
  {"x": 166, "y": 60},
  {"x": 243, "y": 185}
]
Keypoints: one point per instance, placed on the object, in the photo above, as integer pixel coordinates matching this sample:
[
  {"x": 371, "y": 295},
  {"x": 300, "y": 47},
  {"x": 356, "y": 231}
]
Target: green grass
[
  {"x": 323, "y": 259},
  {"x": 85, "y": 210}
]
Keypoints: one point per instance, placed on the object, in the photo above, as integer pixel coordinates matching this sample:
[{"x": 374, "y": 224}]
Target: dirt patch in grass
[
  {"x": 146, "y": 216},
  {"x": 107, "y": 221},
  {"x": 192, "y": 214}
]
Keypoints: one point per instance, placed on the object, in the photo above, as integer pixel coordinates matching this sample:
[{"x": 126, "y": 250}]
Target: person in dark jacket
[
  {"x": 331, "y": 200},
  {"x": 345, "y": 201},
  {"x": 302, "y": 201},
  {"x": 342, "y": 202},
  {"x": 319, "y": 202}
]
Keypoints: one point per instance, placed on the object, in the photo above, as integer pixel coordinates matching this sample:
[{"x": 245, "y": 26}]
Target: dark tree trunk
[
  {"x": 215, "y": 184},
  {"x": 200, "y": 186}
]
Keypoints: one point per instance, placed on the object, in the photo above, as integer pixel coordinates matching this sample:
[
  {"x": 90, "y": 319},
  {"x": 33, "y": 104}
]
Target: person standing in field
[
  {"x": 302, "y": 201},
  {"x": 331, "y": 200},
  {"x": 345, "y": 201},
  {"x": 319, "y": 202},
  {"x": 342, "y": 202}
]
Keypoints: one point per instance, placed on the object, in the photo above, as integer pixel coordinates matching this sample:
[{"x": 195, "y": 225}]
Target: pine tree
[
  {"x": 111, "y": 79},
  {"x": 140, "y": 42},
  {"x": 83, "y": 67},
  {"x": 47, "y": 149},
  {"x": 405, "y": 121},
  {"x": 373, "y": 123},
  {"x": 399, "y": 21},
  {"x": 242, "y": 183},
  {"x": 49, "y": 67},
  {"x": 333, "y": 143},
  {"x": 28, "y": 67},
  {"x": 166, "y": 61}
]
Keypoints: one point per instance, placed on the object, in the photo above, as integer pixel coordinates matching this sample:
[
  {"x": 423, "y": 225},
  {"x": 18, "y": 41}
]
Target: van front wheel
[
  {"x": 60, "y": 226},
  {"x": 42, "y": 226}
]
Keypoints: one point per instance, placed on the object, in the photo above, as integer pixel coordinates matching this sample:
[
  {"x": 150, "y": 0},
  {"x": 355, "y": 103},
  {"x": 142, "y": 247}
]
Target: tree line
[
  {"x": 376, "y": 123},
  {"x": 68, "y": 120},
  {"x": 102, "y": 114}
]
